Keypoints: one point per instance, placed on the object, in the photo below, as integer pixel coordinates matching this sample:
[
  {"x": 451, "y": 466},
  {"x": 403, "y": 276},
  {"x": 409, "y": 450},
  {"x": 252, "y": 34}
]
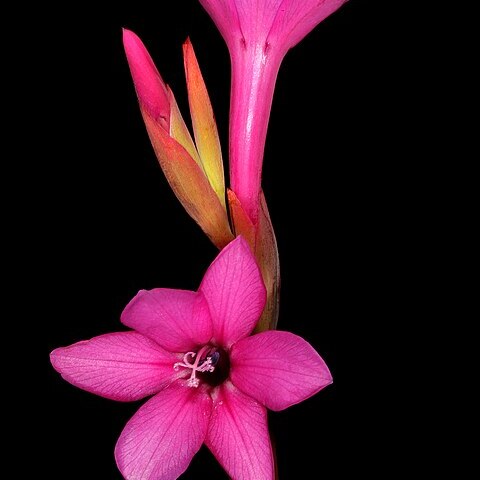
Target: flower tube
[{"x": 258, "y": 34}]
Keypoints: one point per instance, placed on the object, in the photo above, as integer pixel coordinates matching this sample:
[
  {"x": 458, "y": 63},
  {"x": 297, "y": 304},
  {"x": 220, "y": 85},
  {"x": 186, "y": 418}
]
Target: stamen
[{"x": 205, "y": 366}]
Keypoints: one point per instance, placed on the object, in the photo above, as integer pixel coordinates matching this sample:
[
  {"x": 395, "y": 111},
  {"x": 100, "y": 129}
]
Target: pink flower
[
  {"x": 258, "y": 34},
  {"x": 211, "y": 381}
]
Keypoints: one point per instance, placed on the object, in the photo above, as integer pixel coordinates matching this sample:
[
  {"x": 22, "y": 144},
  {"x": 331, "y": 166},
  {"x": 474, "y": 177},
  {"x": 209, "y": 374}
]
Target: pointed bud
[
  {"x": 151, "y": 90},
  {"x": 174, "y": 146}
]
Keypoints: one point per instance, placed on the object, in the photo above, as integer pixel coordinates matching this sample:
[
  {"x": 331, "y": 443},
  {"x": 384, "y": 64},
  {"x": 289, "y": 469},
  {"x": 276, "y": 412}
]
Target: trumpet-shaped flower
[
  {"x": 211, "y": 381},
  {"x": 193, "y": 169},
  {"x": 258, "y": 34}
]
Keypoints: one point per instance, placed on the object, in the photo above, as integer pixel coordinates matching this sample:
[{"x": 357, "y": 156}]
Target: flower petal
[
  {"x": 161, "y": 439},
  {"x": 278, "y": 369},
  {"x": 178, "y": 320},
  {"x": 238, "y": 435},
  {"x": 121, "y": 366},
  {"x": 277, "y": 23},
  {"x": 235, "y": 293},
  {"x": 296, "y": 19}
]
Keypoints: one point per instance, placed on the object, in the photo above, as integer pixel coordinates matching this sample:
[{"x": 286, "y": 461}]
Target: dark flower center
[
  {"x": 221, "y": 364},
  {"x": 210, "y": 365}
]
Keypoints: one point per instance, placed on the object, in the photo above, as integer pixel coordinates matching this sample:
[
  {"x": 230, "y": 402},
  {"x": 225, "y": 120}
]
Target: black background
[{"x": 109, "y": 224}]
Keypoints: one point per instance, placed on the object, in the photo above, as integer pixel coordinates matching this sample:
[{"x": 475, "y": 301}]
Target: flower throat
[{"x": 210, "y": 365}]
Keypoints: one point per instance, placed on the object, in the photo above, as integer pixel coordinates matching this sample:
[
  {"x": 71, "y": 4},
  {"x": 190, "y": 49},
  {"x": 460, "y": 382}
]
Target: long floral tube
[{"x": 258, "y": 34}]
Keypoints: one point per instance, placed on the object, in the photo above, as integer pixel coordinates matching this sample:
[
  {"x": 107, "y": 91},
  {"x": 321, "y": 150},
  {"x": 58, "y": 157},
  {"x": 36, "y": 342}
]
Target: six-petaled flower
[{"x": 211, "y": 381}]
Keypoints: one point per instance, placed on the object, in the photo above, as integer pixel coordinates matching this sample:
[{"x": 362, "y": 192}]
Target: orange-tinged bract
[
  {"x": 204, "y": 124},
  {"x": 195, "y": 173}
]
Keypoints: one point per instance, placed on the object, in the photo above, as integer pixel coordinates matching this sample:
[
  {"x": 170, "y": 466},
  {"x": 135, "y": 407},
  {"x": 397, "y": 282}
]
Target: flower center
[{"x": 210, "y": 364}]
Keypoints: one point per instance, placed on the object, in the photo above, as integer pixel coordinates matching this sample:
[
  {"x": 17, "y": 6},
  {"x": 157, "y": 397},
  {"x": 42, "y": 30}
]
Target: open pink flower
[
  {"x": 211, "y": 381},
  {"x": 258, "y": 34}
]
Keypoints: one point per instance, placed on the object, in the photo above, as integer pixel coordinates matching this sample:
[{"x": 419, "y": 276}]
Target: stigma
[{"x": 196, "y": 363}]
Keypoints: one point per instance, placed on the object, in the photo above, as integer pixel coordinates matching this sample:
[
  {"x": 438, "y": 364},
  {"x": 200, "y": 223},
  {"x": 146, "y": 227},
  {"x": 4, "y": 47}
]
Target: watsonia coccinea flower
[
  {"x": 258, "y": 34},
  {"x": 193, "y": 170},
  {"x": 211, "y": 381}
]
